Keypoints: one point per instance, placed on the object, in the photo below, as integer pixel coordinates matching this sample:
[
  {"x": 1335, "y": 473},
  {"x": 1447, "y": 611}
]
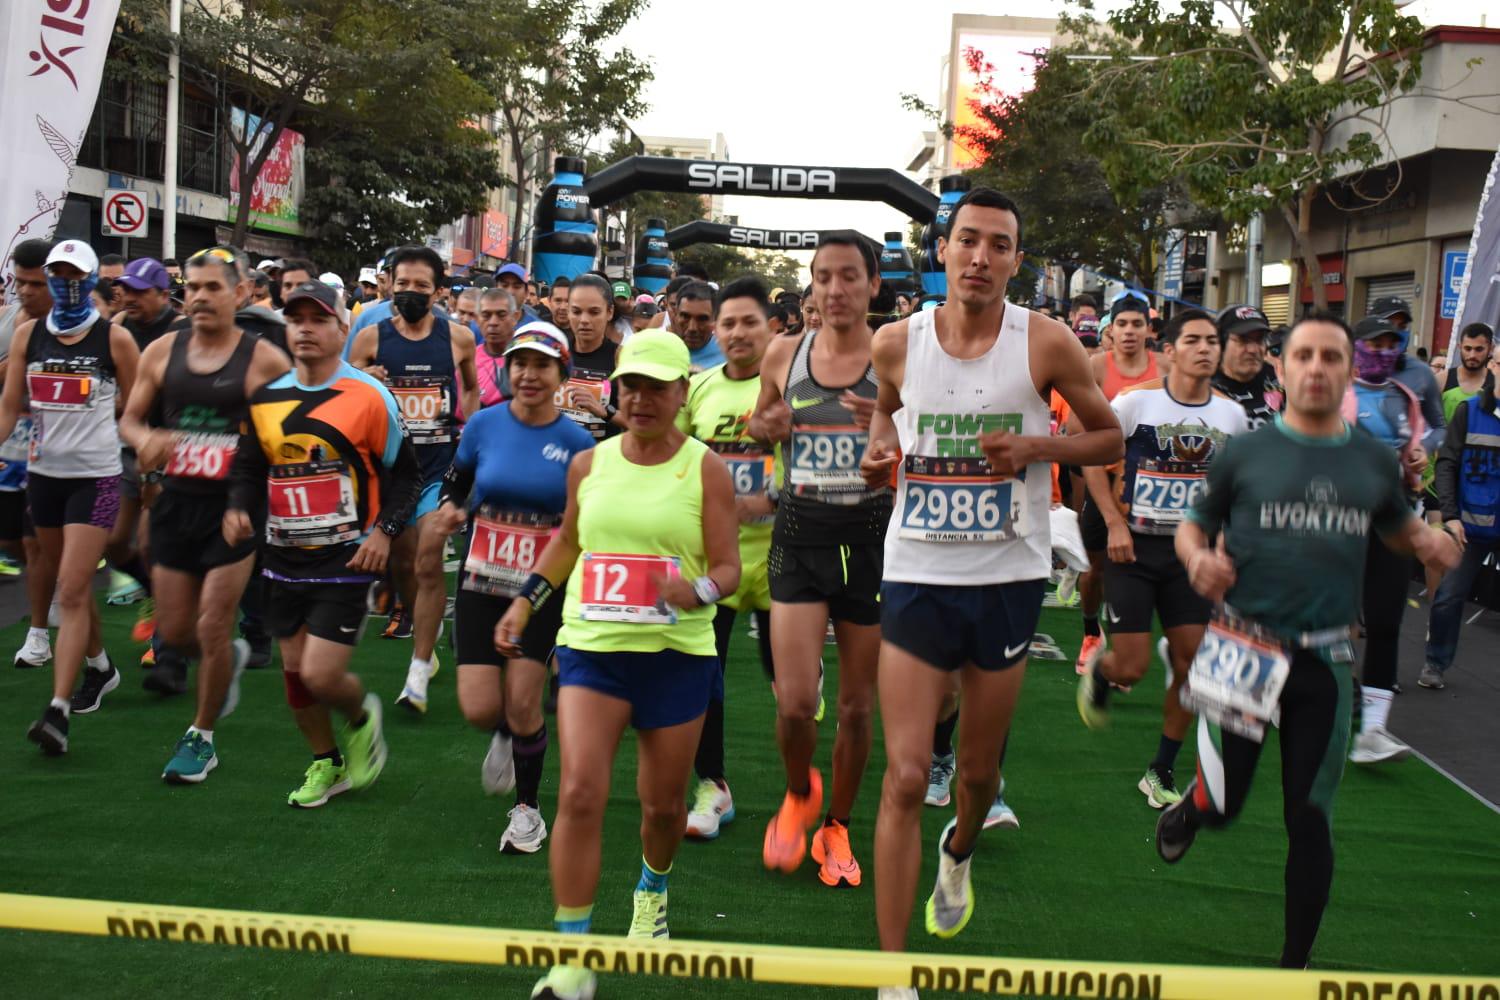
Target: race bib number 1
[
  {"x": 960, "y": 500},
  {"x": 1236, "y": 680},
  {"x": 54, "y": 389},
  {"x": 311, "y": 504},
  {"x": 825, "y": 460},
  {"x": 503, "y": 548},
  {"x": 619, "y": 588}
]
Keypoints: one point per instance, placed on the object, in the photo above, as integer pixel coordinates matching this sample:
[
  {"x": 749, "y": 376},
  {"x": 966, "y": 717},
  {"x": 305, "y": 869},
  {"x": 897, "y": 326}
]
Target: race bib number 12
[{"x": 621, "y": 588}]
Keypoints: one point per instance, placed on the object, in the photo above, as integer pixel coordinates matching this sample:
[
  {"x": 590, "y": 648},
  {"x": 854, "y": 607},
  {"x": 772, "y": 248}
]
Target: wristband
[
  {"x": 707, "y": 591},
  {"x": 536, "y": 590}
]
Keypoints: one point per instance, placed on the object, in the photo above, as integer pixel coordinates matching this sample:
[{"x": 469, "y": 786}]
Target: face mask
[
  {"x": 1373, "y": 365},
  {"x": 71, "y": 302},
  {"x": 411, "y": 306}
]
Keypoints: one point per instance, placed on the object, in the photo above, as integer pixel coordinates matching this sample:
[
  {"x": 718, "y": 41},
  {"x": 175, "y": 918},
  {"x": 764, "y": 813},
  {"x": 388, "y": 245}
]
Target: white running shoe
[
  {"x": 896, "y": 993},
  {"x": 498, "y": 774},
  {"x": 414, "y": 693},
  {"x": 1164, "y": 651},
  {"x": 35, "y": 652},
  {"x": 713, "y": 806},
  {"x": 525, "y": 832},
  {"x": 239, "y": 656},
  {"x": 952, "y": 901},
  {"x": 1377, "y": 746}
]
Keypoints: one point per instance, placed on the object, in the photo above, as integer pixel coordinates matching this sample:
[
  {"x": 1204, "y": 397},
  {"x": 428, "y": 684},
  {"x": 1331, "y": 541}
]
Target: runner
[
  {"x": 1392, "y": 413},
  {"x": 1244, "y": 375},
  {"x": 667, "y": 318},
  {"x": 321, "y": 438},
  {"x": 637, "y": 644},
  {"x": 719, "y": 403},
  {"x": 694, "y": 323},
  {"x": 1173, "y": 430},
  {"x": 817, "y": 393},
  {"x": 557, "y": 301},
  {"x": 33, "y": 302},
  {"x": 1295, "y": 502},
  {"x": 184, "y": 419},
  {"x": 967, "y": 553},
  {"x": 1125, "y": 362},
  {"x": 498, "y": 316},
  {"x": 508, "y": 483},
  {"x": 589, "y": 395},
  {"x": 424, "y": 364},
  {"x": 77, "y": 366}
]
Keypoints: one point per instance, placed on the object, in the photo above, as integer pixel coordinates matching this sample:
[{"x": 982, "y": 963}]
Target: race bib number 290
[
  {"x": 622, "y": 588},
  {"x": 1236, "y": 680}
]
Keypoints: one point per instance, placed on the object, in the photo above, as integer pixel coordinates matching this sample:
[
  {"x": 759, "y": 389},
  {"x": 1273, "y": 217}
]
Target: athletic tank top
[
  {"x": 824, "y": 500},
  {"x": 957, "y": 523},
  {"x": 72, "y": 389},
  {"x": 422, "y": 377},
  {"x": 1114, "y": 380},
  {"x": 208, "y": 412},
  {"x": 611, "y": 605}
]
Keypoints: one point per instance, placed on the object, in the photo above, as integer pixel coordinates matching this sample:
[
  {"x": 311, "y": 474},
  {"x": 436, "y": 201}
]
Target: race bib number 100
[
  {"x": 959, "y": 500},
  {"x": 426, "y": 407},
  {"x": 311, "y": 504},
  {"x": 621, "y": 588},
  {"x": 825, "y": 460},
  {"x": 503, "y": 548},
  {"x": 1236, "y": 680}
]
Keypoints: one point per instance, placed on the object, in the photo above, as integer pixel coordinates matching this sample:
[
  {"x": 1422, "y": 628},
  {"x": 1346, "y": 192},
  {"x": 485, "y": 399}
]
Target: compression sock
[
  {"x": 573, "y": 919},
  {"x": 651, "y": 879},
  {"x": 942, "y": 735},
  {"x": 64, "y": 705},
  {"x": 1166, "y": 753},
  {"x": 1091, "y": 624},
  {"x": 529, "y": 752}
]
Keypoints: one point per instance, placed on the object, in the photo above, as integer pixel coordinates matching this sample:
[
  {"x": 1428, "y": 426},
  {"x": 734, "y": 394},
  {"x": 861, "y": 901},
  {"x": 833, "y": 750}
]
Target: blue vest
[{"x": 1479, "y": 474}]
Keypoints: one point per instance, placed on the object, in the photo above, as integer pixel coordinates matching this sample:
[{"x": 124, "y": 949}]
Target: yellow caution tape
[{"x": 719, "y": 960}]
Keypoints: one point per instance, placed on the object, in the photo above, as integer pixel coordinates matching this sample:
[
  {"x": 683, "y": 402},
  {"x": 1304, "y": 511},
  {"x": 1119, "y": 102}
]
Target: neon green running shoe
[
  {"x": 9, "y": 567},
  {"x": 952, "y": 901},
  {"x": 650, "y": 917},
  {"x": 1159, "y": 787},
  {"x": 565, "y": 982},
  {"x": 324, "y": 780},
  {"x": 364, "y": 747}
]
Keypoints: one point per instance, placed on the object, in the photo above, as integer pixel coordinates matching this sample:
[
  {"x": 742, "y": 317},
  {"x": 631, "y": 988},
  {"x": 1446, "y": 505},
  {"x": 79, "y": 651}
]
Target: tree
[
  {"x": 327, "y": 68},
  {"x": 555, "y": 83},
  {"x": 780, "y": 270},
  {"x": 1256, "y": 114},
  {"x": 721, "y": 262}
]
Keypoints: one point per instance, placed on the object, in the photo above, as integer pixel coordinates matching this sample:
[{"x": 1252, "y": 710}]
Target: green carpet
[{"x": 1417, "y": 888}]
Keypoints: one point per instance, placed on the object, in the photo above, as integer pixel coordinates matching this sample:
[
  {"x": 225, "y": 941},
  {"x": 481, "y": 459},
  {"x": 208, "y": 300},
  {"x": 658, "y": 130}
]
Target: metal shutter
[
  {"x": 1401, "y": 285},
  {"x": 1277, "y": 306}
]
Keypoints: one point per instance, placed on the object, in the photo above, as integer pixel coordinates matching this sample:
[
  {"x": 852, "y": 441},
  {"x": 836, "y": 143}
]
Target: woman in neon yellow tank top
[{"x": 649, "y": 543}]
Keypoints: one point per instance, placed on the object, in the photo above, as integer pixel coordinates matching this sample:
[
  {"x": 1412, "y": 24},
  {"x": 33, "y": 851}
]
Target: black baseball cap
[
  {"x": 1374, "y": 326},
  {"x": 314, "y": 291},
  {"x": 1236, "y": 321},
  {"x": 1391, "y": 305},
  {"x": 1129, "y": 302}
]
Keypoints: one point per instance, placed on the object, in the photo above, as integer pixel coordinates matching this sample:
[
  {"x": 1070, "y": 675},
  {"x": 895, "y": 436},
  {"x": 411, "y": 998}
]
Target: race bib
[
  {"x": 1161, "y": 499},
  {"x": 1236, "y": 679},
  {"x": 825, "y": 461},
  {"x": 60, "y": 387},
  {"x": 503, "y": 548},
  {"x": 426, "y": 403},
  {"x": 750, "y": 465},
  {"x": 598, "y": 390},
  {"x": 311, "y": 504},
  {"x": 960, "y": 500},
  {"x": 619, "y": 588},
  {"x": 203, "y": 456}
]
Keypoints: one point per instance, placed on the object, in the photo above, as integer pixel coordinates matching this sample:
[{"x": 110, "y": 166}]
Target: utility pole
[{"x": 169, "y": 159}]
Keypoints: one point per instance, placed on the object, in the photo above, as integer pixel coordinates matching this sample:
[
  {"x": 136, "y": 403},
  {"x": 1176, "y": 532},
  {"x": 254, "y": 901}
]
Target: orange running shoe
[
  {"x": 786, "y": 834},
  {"x": 1091, "y": 643},
  {"x": 145, "y": 622},
  {"x": 830, "y": 849}
]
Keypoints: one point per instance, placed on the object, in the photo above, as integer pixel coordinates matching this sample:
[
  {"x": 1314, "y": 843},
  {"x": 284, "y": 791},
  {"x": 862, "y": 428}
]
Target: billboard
[
  {"x": 277, "y": 194},
  {"x": 985, "y": 66}
]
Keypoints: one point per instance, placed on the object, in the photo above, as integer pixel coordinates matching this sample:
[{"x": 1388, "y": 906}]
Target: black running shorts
[
  {"x": 332, "y": 611},
  {"x": 187, "y": 534},
  {"x": 1156, "y": 583},
  {"x": 846, "y": 577},
  {"x": 476, "y": 615}
]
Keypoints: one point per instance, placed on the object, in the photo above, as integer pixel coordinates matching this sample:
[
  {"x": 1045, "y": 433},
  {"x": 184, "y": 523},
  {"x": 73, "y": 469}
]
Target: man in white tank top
[{"x": 961, "y": 418}]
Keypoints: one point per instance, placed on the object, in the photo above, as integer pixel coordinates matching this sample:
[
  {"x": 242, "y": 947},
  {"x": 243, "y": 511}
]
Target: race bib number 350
[
  {"x": 503, "y": 548},
  {"x": 203, "y": 456},
  {"x": 311, "y": 504},
  {"x": 959, "y": 500},
  {"x": 825, "y": 460},
  {"x": 621, "y": 588},
  {"x": 1236, "y": 680}
]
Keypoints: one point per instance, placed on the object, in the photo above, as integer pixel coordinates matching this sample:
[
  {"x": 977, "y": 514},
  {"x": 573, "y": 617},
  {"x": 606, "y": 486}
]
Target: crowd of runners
[{"x": 275, "y": 459}]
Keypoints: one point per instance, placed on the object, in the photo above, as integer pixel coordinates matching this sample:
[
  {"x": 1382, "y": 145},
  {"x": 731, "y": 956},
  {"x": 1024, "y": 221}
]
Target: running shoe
[
  {"x": 830, "y": 637},
  {"x": 834, "y": 857},
  {"x": 1067, "y": 588},
  {"x": 148, "y": 658},
  {"x": 952, "y": 901},
  {"x": 191, "y": 761},
  {"x": 1159, "y": 788},
  {"x": 239, "y": 659},
  {"x": 498, "y": 772},
  {"x": 1001, "y": 814},
  {"x": 1431, "y": 678},
  {"x": 818, "y": 715},
  {"x": 786, "y": 834},
  {"x": 713, "y": 806},
  {"x": 754, "y": 629},
  {"x": 413, "y": 695},
  {"x": 324, "y": 780},
  {"x": 940, "y": 779},
  {"x": 1092, "y": 644},
  {"x": 168, "y": 676},
  {"x": 262, "y": 649},
  {"x": 96, "y": 684},
  {"x": 398, "y": 626},
  {"x": 364, "y": 747},
  {"x": 1164, "y": 652},
  {"x": 1093, "y": 694},
  {"x": 649, "y": 920},
  {"x": 565, "y": 982},
  {"x": 123, "y": 589},
  {"x": 1174, "y": 835},
  {"x": 525, "y": 832},
  {"x": 9, "y": 567},
  {"x": 145, "y": 622},
  {"x": 50, "y": 732},
  {"x": 1377, "y": 746},
  {"x": 34, "y": 652}
]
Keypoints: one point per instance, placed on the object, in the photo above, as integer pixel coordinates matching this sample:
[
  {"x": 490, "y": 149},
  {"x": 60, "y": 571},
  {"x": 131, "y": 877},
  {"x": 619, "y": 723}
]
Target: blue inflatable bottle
[{"x": 566, "y": 241}]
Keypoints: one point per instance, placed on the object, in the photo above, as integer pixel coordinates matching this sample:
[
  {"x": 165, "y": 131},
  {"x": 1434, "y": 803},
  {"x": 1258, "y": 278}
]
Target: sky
[{"x": 819, "y": 83}]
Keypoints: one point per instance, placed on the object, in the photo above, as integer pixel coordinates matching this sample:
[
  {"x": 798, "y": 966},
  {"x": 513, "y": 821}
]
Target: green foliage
[{"x": 631, "y": 213}]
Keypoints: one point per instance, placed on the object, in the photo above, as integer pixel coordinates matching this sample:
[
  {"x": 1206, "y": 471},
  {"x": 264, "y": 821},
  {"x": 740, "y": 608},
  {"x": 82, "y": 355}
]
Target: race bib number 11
[
  {"x": 311, "y": 504},
  {"x": 621, "y": 588}
]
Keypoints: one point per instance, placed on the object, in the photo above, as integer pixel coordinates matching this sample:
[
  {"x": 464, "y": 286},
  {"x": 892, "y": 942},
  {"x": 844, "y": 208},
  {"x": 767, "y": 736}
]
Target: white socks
[
  {"x": 64, "y": 705},
  {"x": 1376, "y": 708},
  {"x": 99, "y": 663},
  {"x": 207, "y": 734}
]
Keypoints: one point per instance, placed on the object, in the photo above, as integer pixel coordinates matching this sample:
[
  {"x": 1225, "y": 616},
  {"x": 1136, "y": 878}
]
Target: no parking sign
[{"x": 124, "y": 213}]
